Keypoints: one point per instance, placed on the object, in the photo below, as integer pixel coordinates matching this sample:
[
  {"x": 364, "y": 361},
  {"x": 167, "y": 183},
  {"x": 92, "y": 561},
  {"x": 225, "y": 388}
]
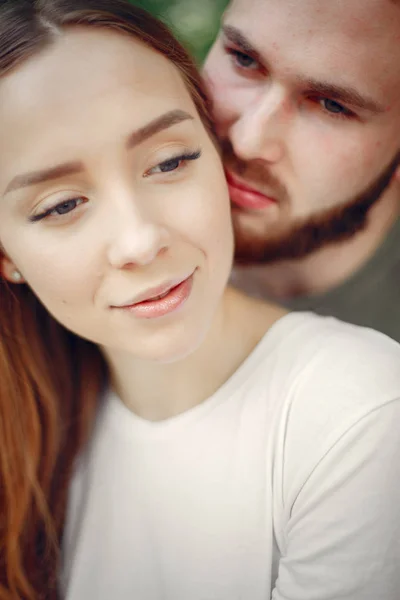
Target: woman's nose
[{"x": 136, "y": 240}]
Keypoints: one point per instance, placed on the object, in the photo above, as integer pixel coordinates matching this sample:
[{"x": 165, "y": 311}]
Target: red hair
[{"x": 50, "y": 379}]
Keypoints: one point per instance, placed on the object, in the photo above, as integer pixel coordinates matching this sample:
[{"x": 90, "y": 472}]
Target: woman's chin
[{"x": 162, "y": 348}]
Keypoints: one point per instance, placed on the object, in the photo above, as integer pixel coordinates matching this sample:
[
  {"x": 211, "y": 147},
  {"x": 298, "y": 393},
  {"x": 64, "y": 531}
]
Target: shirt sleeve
[{"x": 341, "y": 539}]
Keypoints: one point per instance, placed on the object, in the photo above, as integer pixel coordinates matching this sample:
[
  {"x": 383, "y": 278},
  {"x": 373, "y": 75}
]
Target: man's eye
[
  {"x": 242, "y": 60},
  {"x": 334, "y": 107}
]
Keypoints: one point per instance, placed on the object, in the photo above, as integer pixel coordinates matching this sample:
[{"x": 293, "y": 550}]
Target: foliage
[{"x": 194, "y": 22}]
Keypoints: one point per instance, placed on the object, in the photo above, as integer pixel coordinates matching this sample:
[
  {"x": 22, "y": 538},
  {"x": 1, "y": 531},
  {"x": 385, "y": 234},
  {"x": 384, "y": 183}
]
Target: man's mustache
[{"x": 256, "y": 172}]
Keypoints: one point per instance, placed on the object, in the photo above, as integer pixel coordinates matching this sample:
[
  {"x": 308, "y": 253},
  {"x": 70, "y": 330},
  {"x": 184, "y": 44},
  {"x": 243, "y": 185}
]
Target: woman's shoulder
[
  {"x": 338, "y": 407},
  {"x": 332, "y": 374},
  {"x": 301, "y": 355},
  {"x": 306, "y": 343},
  {"x": 327, "y": 338},
  {"x": 332, "y": 347}
]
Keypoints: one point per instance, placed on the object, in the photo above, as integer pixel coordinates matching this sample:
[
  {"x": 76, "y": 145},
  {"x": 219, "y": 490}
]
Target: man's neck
[{"x": 325, "y": 269}]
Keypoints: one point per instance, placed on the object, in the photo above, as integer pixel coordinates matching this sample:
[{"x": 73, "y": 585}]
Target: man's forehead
[
  {"x": 322, "y": 7},
  {"x": 351, "y": 18},
  {"x": 356, "y": 39}
]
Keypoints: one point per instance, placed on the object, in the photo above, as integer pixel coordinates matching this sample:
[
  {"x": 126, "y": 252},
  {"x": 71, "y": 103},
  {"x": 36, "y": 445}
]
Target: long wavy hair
[{"x": 50, "y": 379}]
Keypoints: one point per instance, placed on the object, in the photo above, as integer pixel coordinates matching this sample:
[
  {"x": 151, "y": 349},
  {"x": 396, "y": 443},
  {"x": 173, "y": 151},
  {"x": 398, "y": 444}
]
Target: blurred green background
[{"x": 194, "y": 22}]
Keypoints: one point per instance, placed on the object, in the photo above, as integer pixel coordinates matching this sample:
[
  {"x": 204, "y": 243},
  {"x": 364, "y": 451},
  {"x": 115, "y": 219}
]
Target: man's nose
[{"x": 260, "y": 130}]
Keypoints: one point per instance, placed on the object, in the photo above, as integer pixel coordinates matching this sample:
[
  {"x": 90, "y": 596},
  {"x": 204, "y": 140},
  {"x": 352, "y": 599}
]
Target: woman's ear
[{"x": 9, "y": 271}]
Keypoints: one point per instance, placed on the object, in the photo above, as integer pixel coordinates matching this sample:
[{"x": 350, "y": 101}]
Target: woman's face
[{"x": 111, "y": 193}]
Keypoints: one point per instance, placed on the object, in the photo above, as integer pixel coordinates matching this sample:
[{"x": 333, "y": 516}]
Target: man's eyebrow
[
  {"x": 235, "y": 36},
  {"x": 339, "y": 93},
  {"x": 158, "y": 124},
  {"x": 168, "y": 119},
  {"x": 343, "y": 94}
]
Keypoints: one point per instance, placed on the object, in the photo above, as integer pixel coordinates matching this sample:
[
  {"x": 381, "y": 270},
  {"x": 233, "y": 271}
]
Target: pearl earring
[{"x": 16, "y": 276}]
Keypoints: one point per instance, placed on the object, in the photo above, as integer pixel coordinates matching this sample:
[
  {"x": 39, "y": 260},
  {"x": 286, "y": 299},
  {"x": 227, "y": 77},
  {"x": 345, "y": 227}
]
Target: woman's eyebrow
[
  {"x": 168, "y": 119},
  {"x": 36, "y": 177},
  {"x": 140, "y": 135}
]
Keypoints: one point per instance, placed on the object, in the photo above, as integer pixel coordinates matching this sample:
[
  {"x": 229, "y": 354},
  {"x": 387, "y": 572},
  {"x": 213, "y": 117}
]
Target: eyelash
[
  {"x": 235, "y": 55},
  {"x": 345, "y": 115},
  {"x": 179, "y": 158}
]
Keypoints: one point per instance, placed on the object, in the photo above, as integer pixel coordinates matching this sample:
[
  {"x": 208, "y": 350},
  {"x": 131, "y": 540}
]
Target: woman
[{"x": 172, "y": 437}]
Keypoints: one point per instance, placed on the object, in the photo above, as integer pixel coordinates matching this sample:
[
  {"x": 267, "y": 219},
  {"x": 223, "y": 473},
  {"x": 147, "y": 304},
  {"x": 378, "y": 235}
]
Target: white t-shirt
[{"x": 285, "y": 484}]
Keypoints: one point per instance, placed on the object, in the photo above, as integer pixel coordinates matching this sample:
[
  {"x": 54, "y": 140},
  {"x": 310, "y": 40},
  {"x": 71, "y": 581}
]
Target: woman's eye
[
  {"x": 58, "y": 210},
  {"x": 173, "y": 164},
  {"x": 67, "y": 206},
  {"x": 169, "y": 165}
]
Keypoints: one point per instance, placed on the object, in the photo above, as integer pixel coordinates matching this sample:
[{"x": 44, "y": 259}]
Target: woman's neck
[{"x": 158, "y": 391}]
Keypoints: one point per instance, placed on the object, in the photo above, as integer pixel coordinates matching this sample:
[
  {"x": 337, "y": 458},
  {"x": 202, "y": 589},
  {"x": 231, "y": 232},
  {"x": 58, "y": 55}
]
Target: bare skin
[
  {"x": 95, "y": 215},
  {"x": 289, "y": 133}
]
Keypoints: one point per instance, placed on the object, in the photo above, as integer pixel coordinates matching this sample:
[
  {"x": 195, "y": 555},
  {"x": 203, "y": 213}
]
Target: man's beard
[{"x": 304, "y": 236}]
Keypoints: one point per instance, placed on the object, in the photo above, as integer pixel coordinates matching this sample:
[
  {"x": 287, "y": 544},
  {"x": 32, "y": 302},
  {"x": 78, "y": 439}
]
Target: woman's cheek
[{"x": 55, "y": 270}]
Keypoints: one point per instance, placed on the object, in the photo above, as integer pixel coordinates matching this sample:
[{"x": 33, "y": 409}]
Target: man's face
[{"x": 306, "y": 98}]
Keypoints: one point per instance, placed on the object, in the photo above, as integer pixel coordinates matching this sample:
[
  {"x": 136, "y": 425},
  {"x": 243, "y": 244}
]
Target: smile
[{"x": 160, "y": 301}]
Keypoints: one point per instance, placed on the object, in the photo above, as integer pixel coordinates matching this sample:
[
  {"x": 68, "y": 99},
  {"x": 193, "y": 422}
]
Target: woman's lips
[
  {"x": 168, "y": 303},
  {"x": 246, "y": 197}
]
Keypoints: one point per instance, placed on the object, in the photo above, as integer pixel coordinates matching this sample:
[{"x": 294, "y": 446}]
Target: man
[{"x": 306, "y": 98}]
